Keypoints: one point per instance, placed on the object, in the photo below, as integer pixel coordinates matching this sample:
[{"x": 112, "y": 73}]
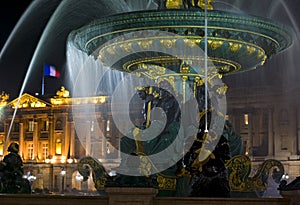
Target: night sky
[
  {"x": 16, "y": 59},
  {"x": 10, "y": 13}
]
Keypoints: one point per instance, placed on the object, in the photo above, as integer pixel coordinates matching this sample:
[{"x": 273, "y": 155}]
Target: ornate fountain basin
[{"x": 236, "y": 42}]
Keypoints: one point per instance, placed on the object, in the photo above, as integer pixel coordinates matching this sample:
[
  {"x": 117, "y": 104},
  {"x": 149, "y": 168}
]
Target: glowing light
[
  {"x": 63, "y": 172},
  {"x": 246, "y": 119},
  {"x": 63, "y": 159},
  {"x": 285, "y": 176},
  {"x": 53, "y": 160},
  {"x": 70, "y": 161}
]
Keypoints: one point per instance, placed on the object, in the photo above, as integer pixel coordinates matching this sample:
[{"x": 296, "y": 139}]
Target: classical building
[
  {"x": 50, "y": 145},
  {"x": 268, "y": 121}
]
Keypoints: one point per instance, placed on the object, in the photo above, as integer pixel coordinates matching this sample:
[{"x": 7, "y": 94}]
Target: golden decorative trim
[
  {"x": 183, "y": 26},
  {"x": 130, "y": 64},
  {"x": 234, "y": 46},
  {"x": 27, "y": 101}
]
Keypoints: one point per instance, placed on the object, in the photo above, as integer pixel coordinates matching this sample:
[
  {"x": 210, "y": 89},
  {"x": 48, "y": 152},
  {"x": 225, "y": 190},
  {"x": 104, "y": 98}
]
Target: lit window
[
  {"x": 58, "y": 146},
  {"x": 30, "y": 151},
  {"x": 1, "y": 147},
  {"x": 45, "y": 150},
  {"x": 31, "y": 126},
  {"x": 246, "y": 119},
  {"x": 45, "y": 125}
]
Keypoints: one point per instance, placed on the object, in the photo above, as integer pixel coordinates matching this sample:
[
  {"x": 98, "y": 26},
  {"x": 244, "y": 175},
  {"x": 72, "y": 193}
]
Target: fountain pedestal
[{"x": 131, "y": 195}]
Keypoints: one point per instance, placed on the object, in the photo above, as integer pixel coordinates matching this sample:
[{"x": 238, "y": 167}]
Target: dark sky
[
  {"x": 16, "y": 58},
  {"x": 14, "y": 64},
  {"x": 10, "y": 13}
]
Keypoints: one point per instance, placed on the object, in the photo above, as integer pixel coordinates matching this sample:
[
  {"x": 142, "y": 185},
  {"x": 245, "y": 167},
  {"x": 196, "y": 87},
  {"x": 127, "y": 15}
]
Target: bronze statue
[{"x": 11, "y": 173}]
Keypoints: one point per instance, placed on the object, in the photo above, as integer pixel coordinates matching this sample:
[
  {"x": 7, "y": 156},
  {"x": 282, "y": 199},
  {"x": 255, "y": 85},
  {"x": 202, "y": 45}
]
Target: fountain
[
  {"x": 174, "y": 59},
  {"x": 235, "y": 43}
]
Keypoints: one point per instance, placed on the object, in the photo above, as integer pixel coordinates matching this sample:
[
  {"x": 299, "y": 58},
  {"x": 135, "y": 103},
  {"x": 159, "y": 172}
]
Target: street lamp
[
  {"x": 63, "y": 174},
  {"x": 285, "y": 176}
]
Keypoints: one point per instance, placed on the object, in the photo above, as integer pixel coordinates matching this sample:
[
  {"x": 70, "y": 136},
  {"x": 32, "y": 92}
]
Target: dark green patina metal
[{"x": 242, "y": 40}]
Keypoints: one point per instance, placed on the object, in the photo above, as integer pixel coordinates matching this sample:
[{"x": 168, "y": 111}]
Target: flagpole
[{"x": 43, "y": 82}]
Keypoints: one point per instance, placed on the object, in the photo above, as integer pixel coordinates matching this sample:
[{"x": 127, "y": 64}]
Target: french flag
[{"x": 50, "y": 70}]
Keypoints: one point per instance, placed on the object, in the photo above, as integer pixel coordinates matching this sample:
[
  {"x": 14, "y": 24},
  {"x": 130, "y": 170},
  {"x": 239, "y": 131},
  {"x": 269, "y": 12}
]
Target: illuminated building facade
[{"x": 49, "y": 143}]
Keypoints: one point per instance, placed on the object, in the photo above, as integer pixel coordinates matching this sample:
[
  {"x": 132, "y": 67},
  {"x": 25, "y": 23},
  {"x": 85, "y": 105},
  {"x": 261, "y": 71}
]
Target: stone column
[
  {"x": 66, "y": 139},
  {"x": 51, "y": 136},
  {"x": 72, "y": 139},
  {"x": 130, "y": 195},
  {"x": 250, "y": 135},
  {"x": 35, "y": 141},
  {"x": 88, "y": 139},
  {"x": 21, "y": 140},
  {"x": 270, "y": 134},
  {"x": 103, "y": 139}
]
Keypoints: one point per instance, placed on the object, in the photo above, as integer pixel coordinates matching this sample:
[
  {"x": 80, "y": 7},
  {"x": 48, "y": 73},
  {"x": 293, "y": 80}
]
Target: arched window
[
  {"x": 58, "y": 125},
  {"x": 58, "y": 146}
]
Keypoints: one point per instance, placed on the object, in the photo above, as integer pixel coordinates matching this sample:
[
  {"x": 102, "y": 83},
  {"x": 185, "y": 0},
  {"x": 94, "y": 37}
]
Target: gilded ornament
[
  {"x": 147, "y": 44},
  {"x": 174, "y": 4},
  {"x": 127, "y": 47},
  {"x": 190, "y": 43},
  {"x": 250, "y": 50},
  {"x": 201, "y": 4},
  {"x": 184, "y": 68},
  {"x": 63, "y": 93},
  {"x": 235, "y": 47},
  {"x": 3, "y": 98},
  {"x": 216, "y": 44},
  {"x": 166, "y": 183},
  {"x": 222, "y": 90},
  {"x": 111, "y": 50},
  {"x": 168, "y": 43},
  {"x": 264, "y": 60}
]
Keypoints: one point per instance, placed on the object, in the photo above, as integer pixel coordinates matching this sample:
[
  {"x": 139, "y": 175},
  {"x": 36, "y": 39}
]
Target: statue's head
[{"x": 13, "y": 147}]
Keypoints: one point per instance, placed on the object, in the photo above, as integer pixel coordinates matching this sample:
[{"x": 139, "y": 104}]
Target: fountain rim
[
  {"x": 266, "y": 37},
  {"x": 285, "y": 30}
]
